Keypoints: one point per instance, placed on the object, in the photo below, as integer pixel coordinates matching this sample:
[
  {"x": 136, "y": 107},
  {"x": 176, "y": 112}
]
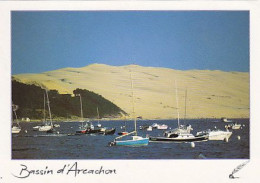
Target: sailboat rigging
[
  {"x": 136, "y": 140},
  {"x": 48, "y": 126},
  {"x": 15, "y": 128},
  {"x": 180, "y": 134},
  {"x": 88, "y": 126}
]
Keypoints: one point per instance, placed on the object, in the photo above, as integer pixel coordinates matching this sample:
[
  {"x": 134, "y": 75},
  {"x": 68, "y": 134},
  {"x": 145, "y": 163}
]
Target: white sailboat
[
  {"x": 48, "y": 126},
  {"x": 180, "y": 134},
  {"x": 36, "y": 128},
  {"x": 181, "y": 128},
  {"x": 16, "y": 128},
  {"x": 135, "y": 140}
]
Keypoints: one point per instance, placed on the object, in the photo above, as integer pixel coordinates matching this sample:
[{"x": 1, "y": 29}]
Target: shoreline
[{"x": 119, "y": 119}]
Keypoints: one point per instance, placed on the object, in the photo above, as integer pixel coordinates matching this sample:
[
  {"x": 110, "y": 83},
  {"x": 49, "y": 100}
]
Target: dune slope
[{"x": 210, "y": 94}]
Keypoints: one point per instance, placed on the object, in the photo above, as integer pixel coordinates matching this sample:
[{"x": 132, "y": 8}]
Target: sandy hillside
[{"x": 209, "y": 93}]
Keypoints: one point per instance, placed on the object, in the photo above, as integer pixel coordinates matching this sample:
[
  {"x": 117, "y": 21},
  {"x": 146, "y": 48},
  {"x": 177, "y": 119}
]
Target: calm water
[{"x": 40, "y": 145}]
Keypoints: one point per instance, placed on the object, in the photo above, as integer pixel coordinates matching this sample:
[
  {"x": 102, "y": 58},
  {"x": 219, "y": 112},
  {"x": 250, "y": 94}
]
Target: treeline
[{"x": 30, "y": 99}]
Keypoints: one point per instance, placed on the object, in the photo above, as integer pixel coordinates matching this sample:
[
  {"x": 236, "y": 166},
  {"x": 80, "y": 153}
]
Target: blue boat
[{"x": 136, "y": 140}]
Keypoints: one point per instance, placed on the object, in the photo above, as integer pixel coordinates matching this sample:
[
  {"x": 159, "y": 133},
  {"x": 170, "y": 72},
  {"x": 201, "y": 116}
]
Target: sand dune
[{"x": 210, "y": 94}]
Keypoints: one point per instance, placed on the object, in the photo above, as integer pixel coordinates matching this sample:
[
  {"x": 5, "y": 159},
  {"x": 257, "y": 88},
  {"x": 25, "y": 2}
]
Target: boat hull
[
  {"x": 45, "y": 128},
  {"x": 122, "y": 133},
  {"x": 109, "y": 131},
  {"x": 220, "y": 136},
  {"x": 133, "y": 142},
  {"x": 16, "y": 130},
  {"x": 176, "y": 139}
]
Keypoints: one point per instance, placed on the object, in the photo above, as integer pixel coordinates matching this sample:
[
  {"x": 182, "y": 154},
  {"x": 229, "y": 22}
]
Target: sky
[{"x": 183, "y": 40}]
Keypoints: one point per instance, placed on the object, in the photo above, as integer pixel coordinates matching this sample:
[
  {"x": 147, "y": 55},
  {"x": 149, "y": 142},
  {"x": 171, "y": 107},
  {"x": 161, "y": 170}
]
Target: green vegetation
[{"x": 30, "y": 99}]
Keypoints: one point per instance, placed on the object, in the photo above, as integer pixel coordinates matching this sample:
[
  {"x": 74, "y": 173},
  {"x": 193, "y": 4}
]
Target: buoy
[
  {"x": 238, "y": 137},
  {"x": 192, "y": 144},
  {"x": 226, "y": 139},
  {"x": 244, "y": 125},
  {"x": 25, "y": 131},
  {"x": 58, "y": 132}
]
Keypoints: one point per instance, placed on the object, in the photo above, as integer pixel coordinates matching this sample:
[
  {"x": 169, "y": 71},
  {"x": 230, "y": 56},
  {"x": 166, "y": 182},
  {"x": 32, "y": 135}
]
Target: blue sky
[{"x": 183, "y": 40}]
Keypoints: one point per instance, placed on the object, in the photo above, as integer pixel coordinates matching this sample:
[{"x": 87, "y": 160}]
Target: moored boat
[
  {"x": 180, "y": 134},
  {"x": 16, "y": 128},
  {"x": 180, "y": 137},
  {"x": 108, "y": 131},
  {"x": 162, "y": 127},
  {"x": 135, "y": 140},
  {"x": 226, "y": 120},
  {"x": 216, "y": 134},
  {"x": 234, "y": 126},
  {"x": 150, "y": 128},
  {"x": 124, "y": 132},
  {"x": 48, "y": 125}
]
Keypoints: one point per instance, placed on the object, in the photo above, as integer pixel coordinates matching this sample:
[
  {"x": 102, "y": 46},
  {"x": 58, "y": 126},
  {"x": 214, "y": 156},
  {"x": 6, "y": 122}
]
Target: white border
[{"x": 132, "y": 170}]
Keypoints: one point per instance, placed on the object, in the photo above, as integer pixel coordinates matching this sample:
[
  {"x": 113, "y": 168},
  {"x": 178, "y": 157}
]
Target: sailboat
[
  {"x": 182, "y": 128},
  {"x": 82, "y": 128},
  {"x": 136, "y": 140},
  {"x": 15, "y": 128},
  {"x": 36, "y": 128},
  {"x": 48, "y": 126},
  {"x": 98, "y": 125},
  {"x": 179, "y": 135}
]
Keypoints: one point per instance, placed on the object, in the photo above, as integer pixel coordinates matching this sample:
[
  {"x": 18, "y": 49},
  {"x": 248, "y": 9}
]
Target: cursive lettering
[
  {"x": 66, "y": 169},
  {"x": 25, "y": 172},
  {"x": 76, "y": 171}
]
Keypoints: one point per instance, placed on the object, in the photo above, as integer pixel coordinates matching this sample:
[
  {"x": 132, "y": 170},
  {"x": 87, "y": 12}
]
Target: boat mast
[
  {"x": 44, "y": 115},
  {"x": 98, "y": 115},
  {"x": 177, "y": 103},
  {"x": 81, "y": 111},
  {"x": 15, "y": 108},
  {"x": 185, "y": 105},
  {"x": 132, "y": 88},
  {"x": 48, "y": 103}
]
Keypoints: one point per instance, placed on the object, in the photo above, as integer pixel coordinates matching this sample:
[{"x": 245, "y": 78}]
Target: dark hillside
[{"x": 30, "y": 99}]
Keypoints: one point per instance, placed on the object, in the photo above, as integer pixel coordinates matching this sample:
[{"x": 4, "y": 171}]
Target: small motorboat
[
  {"x": 162, "y": 127},
  {"x": 107, "y": 131},
  {"x": 36, "y": 128},
  {"x": 154, "y": 125},
  {"x": 234, "y": 126},
  {"x": 226, "y": 120},
  {"x": 144, "y": 127},
  {"x": 150, "y": 128},
  {"x": 56, "y": 125},
  {"x": 216, "y": 134},
  {"x": 16, "y": 129}
]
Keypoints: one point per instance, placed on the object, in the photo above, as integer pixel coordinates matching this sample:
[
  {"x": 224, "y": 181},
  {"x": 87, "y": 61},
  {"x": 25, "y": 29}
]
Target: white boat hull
[
  {"x": 162, "y": 127},
  {"x": 220, "y": 136},
  {"x": 217, "y": 134},
  {"x": 45, "y": 128},
  {"x": 16, "y": 129}
]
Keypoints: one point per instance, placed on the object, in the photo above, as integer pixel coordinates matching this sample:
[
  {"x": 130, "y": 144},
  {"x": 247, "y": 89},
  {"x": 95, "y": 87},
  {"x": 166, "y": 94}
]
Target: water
[{"x": 40, "y": 145}]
